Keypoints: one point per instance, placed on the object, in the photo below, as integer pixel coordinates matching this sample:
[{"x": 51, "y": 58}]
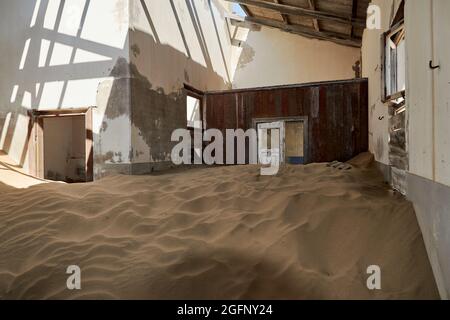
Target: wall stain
[
  {"x": 156, "y": 115},
  {"x": 135, "y": 50},
  {"x": 247, "y": 56}
]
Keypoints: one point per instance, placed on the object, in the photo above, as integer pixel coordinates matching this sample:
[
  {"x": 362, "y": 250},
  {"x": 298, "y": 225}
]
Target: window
[
  {"x": 394, "y": 59},
  {"x": 394, "y": 63},
  {"x": 237, "y": 10},
  {"x": 193, "y": 113}
]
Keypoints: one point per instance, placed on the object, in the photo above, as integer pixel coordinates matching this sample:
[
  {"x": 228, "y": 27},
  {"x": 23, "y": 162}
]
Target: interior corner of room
[{"x": 95, "y": 89}]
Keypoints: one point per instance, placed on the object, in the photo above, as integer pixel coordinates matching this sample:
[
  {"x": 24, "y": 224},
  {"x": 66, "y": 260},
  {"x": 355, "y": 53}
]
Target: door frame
[
  {"x": 280, "y": 125},
  {"x": 199, "y": 95},
  {"x": 304, "y": 119},
  {"x": 36, "y": 153}
]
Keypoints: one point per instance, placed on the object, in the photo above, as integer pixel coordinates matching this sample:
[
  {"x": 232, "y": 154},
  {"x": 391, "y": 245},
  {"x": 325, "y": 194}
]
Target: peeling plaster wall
[
  {"x": 371, "y": 67},
  {"x": 173, "y": 42},
  {"x": 63, "y": 55},
  {"x": 274, "y": 57},
  {"x": 427, "y": 99},
  {"x": 129, "y": 58}
]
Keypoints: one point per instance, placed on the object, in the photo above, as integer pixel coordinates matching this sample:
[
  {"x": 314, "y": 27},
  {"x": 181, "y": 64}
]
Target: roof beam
[
  {"x": 299, "y": 30},
  {"x": 247, "y": 12},
  {"x": 292, "y": 10},
  {"x": 354, "y": 14},
  {"x": 285, "y": 16},
  {"x": 312, "y": 6}
]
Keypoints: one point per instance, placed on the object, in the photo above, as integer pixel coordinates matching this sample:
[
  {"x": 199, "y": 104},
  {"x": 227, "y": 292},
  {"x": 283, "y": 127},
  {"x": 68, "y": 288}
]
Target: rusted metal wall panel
[{"x": 337, "y": 114}]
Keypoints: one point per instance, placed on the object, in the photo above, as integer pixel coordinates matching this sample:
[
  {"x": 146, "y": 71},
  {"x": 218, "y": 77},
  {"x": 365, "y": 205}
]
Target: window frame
[
  {"x": 385, "y": 97},
  {"x": 199, "y": 95}
]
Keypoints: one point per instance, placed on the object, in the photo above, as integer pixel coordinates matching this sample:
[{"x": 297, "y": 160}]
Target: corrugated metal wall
[{"x": 337, "y": 114}]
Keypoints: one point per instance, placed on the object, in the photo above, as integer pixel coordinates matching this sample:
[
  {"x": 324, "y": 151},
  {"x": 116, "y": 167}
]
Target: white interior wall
[
  {"x": 74, "y": 55},
  {"x": 428, "y": 90},
  {"x": 419, "y": 91},
  {"x": 441, "y": 37},
  {"x": 428, "y": 129},
  {"x": 173, "y": 43},
  {"x": 274, "y": 57},
  {"x": 56, "y": 54},
  {"x": 179, "y": 41}
]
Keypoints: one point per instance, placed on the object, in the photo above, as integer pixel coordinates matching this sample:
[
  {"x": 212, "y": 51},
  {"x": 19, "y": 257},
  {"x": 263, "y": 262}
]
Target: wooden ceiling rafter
[
  {"x": 246, "y": 10},
  {"x": 354, "y": 14},
  {"x": 297, "y": 11},
  {"x": 312, "y": 6},
  {"x": 283, "y": 15},
  {"x": 341, "y": 23},
  {"x": 300, "y": 30}
]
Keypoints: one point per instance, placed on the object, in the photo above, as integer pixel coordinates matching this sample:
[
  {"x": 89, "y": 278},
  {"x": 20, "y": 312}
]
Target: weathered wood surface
[
  {"x": 337, "y": 114},
  {"x": 342, "y": 21}
]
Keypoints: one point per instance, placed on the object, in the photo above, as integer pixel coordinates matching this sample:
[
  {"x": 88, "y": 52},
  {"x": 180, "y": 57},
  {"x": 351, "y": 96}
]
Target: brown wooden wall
[{"x": 337, "y": 114}]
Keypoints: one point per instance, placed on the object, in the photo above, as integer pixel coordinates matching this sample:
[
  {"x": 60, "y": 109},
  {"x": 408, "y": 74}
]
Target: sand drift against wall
[{"x": 310, "y": 232}]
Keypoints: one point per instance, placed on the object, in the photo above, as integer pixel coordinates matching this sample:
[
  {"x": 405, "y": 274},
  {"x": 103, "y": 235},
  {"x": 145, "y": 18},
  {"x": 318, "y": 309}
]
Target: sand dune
[{"x": 215, "y": 233}]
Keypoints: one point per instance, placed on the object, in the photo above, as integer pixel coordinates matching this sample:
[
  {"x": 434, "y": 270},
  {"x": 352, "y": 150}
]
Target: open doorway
[
  {"x": 271, "y": 142},
  {"x": 63, "y": 148},
  {"x": 194, "y": 119},
  {"x": 283, "y": 140},
  {"x": 295, "y": 142}
]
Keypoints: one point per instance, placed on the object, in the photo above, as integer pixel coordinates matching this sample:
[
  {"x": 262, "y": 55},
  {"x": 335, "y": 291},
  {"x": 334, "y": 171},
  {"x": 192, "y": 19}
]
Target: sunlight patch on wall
[
  {"x": 19, "y": 138},
  {"x": 102, "y": 98},
  {"x": 51, "y": 94},
  {"x": 51, "y": 14},
  {"x": 81, "y": 93},
  {"x": 35, "y": 13},
  {"x": 14, "y": 93},
  {"x": 26, "y": 100},
  {"x": 45, "y": 46},
  {"x": 166, "y": 25},
  {"x": 83, "y": 56},
  {"x": 71, "y": 17},
  {"x": 61, "y": 55},
  {"x": 77, "y": 94},
  {"x": 107, "y": 23},
  {"x": 117, "y": 140},
  {"x": 214, "y": 46},
  {"x": 192, "y": 40},
  {"x": 24, "y": 54}
]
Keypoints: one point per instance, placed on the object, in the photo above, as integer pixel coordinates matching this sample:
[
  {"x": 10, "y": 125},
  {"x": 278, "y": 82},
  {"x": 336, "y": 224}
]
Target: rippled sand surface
[{"x": 214, "y": 233}]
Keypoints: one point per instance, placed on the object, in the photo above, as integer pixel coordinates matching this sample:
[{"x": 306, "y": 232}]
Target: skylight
[{"x": 237, "y": 10}]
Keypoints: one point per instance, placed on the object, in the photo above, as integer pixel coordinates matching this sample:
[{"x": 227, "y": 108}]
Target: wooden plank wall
[{"x": 337, "y": 114}]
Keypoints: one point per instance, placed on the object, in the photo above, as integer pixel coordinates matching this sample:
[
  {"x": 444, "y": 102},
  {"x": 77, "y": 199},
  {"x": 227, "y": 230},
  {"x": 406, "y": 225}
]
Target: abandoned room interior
[{"x": 353, "y": 93}]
